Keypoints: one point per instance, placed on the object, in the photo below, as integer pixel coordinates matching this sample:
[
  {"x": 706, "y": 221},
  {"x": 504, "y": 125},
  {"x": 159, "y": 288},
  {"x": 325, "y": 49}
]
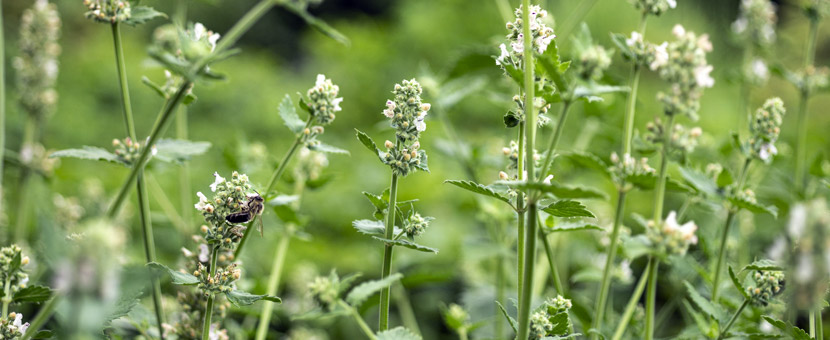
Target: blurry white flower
[
  {"x": 503, "y": 56},
  {"x": 798, "y": 221},
  {"x": 685, "y": 231},
  {"x": 204, "y": 253},
  {"x": 702, "y": 77},
  {"x": 203, "y": 202},
  {"x": 760, "y": 70},
  {"x": 636, "y": 37},
  {"x": 767, "y": 151},
  {"x": 678, "y": 31},
  {"x": 661, "y": 56},
  {"x": 219, "y": 180},
  {"x": 672, "y": 3}
]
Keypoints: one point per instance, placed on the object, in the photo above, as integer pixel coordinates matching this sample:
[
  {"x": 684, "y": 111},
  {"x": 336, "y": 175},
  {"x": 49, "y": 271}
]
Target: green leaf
[
  {"x": 322, "y": 147},
  {"x": 704, "y": 304},
  {"x": 566, "y": 191},
  {"x": 369, "y": 227},
  {"x": 699, "y": 181},
  {"x": 43, "y": 334},
  {"x": 289, "y": 116},
  {"x": 560, "y": 323},
  {"x": 240, "y": 298},
  {"x": 737, "y": 282},
  {"x": 552, "y": 67},
  {"x": 155, "y": 87},
  {"x": 318, "y": 24},
  {"x": 178, "y": 277},
  {"x": 398, "y": 333},
  {"x": 478, "y": 189},
  {"x": 647, "y": 181},
  {"x": 702, "y": 324},
  {"x": 178, "y": 150},
  {"x": 142, "y": 14},
  {"x": 424, "y": 164},
  {"x": 509, "y": 318},
  {"x": 363, "y": 291},
  {"x": 407, "y": 244},
  {"x": 123, "y": 307},
  {"x": 573, "y": 226},
  {"x": 592, "y": 92},
  {"x": 752, "y": 336},
  {"x": 567, "y": 208},
  {"x": 89, "y": 152},
  {"x": 590, "y": 160},
  {"x": 287, "y": 214},
  {"x": 793, "y": 332},
  {"x": 620, "y": 41},
  {"x": 725, "y": 178},
  {"x": 33, "y": 294},
  {"x": 369, "y": 143},
  {"x": 754, "y": 207},
  {"x": 767, "y": 265}
]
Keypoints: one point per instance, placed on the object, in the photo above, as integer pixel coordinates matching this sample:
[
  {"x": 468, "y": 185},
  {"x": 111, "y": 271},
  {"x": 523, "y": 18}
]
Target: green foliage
[
  {"x": 737, "y": 282},
  {"x": 363, "y": 291},
  {"x": 289, "y": 116},
  {"x": 91, "y": 153},
  {"x": 178, "y": 277},
  {"x": 240, "y": 298},
  {"x": 788, "y": 329},
  {"x": 142, "y": 14},
  {"x": 764, "y": 264},
  {"x": 407, "y": 244},
  {"x": 33, "y": 294},
  {"x": 567, "y": 208},
  {"x": 179, "y": 151},
  {"x": 397, "y": 333},
  {"x": 707, "y": 307},
  {"x": 478, "y": 189}
]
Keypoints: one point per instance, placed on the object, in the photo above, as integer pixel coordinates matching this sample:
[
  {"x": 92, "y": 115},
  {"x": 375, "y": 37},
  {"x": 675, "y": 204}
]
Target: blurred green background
[{"x": 390, "y": 41}]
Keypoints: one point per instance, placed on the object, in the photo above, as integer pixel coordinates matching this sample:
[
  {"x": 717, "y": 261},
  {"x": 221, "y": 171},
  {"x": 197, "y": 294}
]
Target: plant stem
[
  {"x": 632, "y": 96},
  {"x": 554, "y": 272},
  {"x": 42, "y": 316},
  {"x": 500, "y": 295},
  {"x": 383, "y": 323},
  {"x": 554, "y": 139},
  {"x": 7, "y": 297},
  {"x": 819, "y": 324},
  {"x": 651, "y": 296},
  {"x": 530, "y": 253},
  {"x": 273, "y": 284},
  {"x": 801, "y": 145},
  {"x": 610, "y": 255},
  {"x": 576, "y": 17},
  {"x": 122, "y": 81},
  {"x": 520, "y": 208},
  {"x": 149, "y": 246},
  {"x": 632, "y": 302},
  {"x": 732, "y": 320},
  {"x": 2, "y": 106},
  {"x": 730, "y": 217},
  {"x": 363, "y": 326},
  {"x": 184, "y": 169},
  {"x": 214, "y": 256},
  {"x": 23, "y": 199},
  {"x": 405, "y": 309}
]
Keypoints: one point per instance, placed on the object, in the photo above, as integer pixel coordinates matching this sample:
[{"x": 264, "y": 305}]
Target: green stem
[
  {"x": 405, "y": 309},
  {"x": 554, "y": 139},
  {"x": 530, "y": 253},
  {"x": 214, "y": 256},
  {"x": 732, "y": 320},
  {"x": 386, "y": 270},
  {"x": 576, "y": 17},
  {"x": 2, "y": 106},
  {"x": 554, "y": 272},
  {"x": 730, "y": 217},
  {"x": 610, "y": 255},
  {"x": 363, "y": 326},
  {"x": 275, "y": 177},
  {"x": 819, "y": 324},
  {"x": 149, "y": 246},
  {"x": 23, "y": 199},
  {"x": 273, "y": 284},
  {"x": 660, "y": 190},
  {"x": 7, "y": 298},
  {"x": 520, "y": 208},
  {"x": 122, "y": 81},
  {"x": 632, "y": 96},
  {"x": 500, "y": 294},
  {"x": 42, "y": 316},
  {"x": 632, "y": 302},
  {"x": 651, "y": 298},
  {"x": 185, "y": 189},
  {"x": 801, "y": 146}
]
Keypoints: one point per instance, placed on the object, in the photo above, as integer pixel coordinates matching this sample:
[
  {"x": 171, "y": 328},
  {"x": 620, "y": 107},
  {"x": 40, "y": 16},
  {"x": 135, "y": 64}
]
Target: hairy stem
[
  {"x": 386, "y": 270},
  {"x": 363, "y": 326},
  {"x": 554, "y": 139},
  {"x": 7, "y": 297},
  {"x": 526, "y": 297},
  {"x": 520, "y": 208},
  {"x": 126, "y": 107},
  {"x": 730, "y": 217},
  {"x": 42, "y": 316},
  {"x": 651, "y": 298},
  {"x": 632, "y": 96},
  {"x": 273, "y": 284},
  {"x": 149, "y": 246},
  {"x": 732, "y": 320},
  {"x": 633, "y": 301},
  {"x": 610, "y": 255},
  {"x": 214, "y": 256}
]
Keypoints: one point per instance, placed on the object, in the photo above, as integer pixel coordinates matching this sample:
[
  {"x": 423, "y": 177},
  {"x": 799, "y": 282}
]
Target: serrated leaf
[
  {"x": 735, "y": 281},
  {"x": 32, "y": 294},
  {"x": 423, "y": 165},
  {"x": 573, "y": 226},
  {"x": 699, "y": 181},
  {"x": 647, "y": 181},
  {"x": 551, "y": 66},
  {"x": 322, "y": 147},
  {"x": 89, "y": 152},
  {"x": 363, "y": 291},
  {"x": 289, "y": 116},
  {"x": 557, "y": 189},
  {"x": 142, "y": 14},
  {"x": 590, "y": 160},
  {"x": 764, "y": 264},
  {"x": 398, "y": 333},
  {"x": 123, "y": 307},
  {"x": 560, "y": 323},
  {"x": 793, "y": 332},
  {"x": 704, "y": 304},
  {"x": 568, "y": 208},
  {"x": 754, "y": 207},
  {"x": 178, "y": 277},
  {"x": 317, "y": 23},
  {"x": 702, "y": 324},
  {"x": 752, "y": 336},
  {"x": 240, "y": 298},
  {"x": 178, "y": 150},
  {"x": 507, "y": 316},
  {"x": 478, "y": 189},
  {"x": 407, "y": 244},
  {"x": 369, "y": 227},
  {"x": 368, "y": 143}
]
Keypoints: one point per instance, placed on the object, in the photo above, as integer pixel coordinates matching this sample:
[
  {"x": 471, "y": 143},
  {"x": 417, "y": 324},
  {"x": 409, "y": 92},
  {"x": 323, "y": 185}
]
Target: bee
[{"x": 252, "y": 208}]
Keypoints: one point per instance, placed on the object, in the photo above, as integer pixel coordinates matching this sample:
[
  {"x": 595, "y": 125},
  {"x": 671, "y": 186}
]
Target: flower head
[
  {"x": 654, "y": 7},
  {"x": 685, "y": 67},
  {"x": 756, "y": 21},
  {"x": 323, "y": 101},
  {"x": 407, "y": 113},
  {"x": 37, "y": 65},
  {"x": 764, "y": 129},
  {"x": 541, "y": 36},
  {"x": 672, "y": 237}
]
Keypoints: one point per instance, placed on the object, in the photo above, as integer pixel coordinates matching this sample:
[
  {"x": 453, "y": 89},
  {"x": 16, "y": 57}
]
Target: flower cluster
[
  {"x": 182, "y": 45},
  {"x": 108, "y": 11},
  {"x": 323, "y": 101},
  {"x": 541, "y": 37},
  {"x": 671, "y": 237},
  {"x": 407, "y": 113},
  {"x": 517, "y": 115},
  {"x": 416, "y": 224},
  {"x": 643, "y": 53},
  {"x": 756, "y": 22},
  {"x": 686, "y": 69},
  {"x": 764, "y": 129},
  {"x": 35, "y": 156},
  {"x": 812, "y": 79},
  {"x": 326, "y": 290},
  {"x": 768, "y": 284},
  {"x": 310, "y": 164},
  {"x": 12, "y": 262},
  {"x": 220, "y": 282},
  {"x": 37, "y": 66},
  {"x": 654, "y": 7},
  {"x": 13, "y": 326},
  {"x": 201, "y": 42},
  {"x": 756, "y": 72},
  {"x": 541, "y": 321},
  {"x": 230, "y": 196},
  {"x": 629, "y": 166},
  {"x": 129, "y": 151},
  {"x": 681, "y": 138},
  {"x": 592, "y": 62}
]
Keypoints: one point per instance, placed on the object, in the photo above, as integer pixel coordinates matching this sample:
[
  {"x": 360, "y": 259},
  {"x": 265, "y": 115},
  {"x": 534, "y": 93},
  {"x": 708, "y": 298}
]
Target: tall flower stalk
[{"x": 811, "y": 79}]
